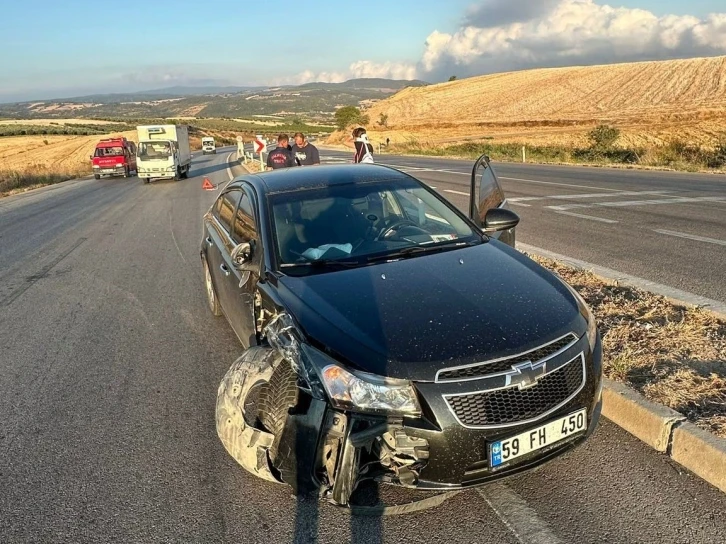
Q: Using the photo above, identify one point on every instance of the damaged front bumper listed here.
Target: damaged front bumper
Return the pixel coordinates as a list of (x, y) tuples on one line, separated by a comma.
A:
[(328, 451)]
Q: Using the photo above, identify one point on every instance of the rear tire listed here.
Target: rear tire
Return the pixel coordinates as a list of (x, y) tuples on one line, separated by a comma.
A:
[(276, 398)]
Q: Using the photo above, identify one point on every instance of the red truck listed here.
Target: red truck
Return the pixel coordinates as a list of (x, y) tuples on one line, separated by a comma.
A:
[(114, 157)]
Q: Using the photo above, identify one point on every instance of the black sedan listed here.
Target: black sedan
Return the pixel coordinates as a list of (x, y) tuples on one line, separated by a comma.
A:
[(390, 337)]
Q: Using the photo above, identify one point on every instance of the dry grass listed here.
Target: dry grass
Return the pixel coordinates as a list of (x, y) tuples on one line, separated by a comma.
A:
[(60, 152), (651, 102), (28, 162), (672, 354), (46, 122)]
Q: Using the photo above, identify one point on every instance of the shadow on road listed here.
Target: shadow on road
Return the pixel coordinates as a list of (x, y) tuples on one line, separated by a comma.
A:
[(206, 170)]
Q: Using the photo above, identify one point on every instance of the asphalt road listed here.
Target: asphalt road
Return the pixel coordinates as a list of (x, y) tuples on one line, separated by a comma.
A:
[(109, 366), (665, 227)]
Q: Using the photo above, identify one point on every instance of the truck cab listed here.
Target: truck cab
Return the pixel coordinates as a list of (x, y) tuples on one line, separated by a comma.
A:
[(163, 152), (208, 145), (114, 157)]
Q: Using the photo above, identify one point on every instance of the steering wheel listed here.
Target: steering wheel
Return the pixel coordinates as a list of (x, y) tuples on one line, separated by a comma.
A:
[(387, 231)]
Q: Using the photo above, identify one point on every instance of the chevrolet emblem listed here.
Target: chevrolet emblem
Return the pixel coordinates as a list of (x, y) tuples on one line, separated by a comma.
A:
[(525, 375)]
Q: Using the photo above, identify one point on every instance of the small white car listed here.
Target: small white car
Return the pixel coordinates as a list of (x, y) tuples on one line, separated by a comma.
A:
[(208, 145)]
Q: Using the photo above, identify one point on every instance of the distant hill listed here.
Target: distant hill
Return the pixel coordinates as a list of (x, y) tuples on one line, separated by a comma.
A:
[(313, 101)]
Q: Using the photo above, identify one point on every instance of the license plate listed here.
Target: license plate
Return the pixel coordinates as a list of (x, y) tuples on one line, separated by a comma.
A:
[(108, 170), (504, 451)]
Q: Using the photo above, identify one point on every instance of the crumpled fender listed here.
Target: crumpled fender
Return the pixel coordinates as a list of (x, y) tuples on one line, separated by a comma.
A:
[(247, 445)]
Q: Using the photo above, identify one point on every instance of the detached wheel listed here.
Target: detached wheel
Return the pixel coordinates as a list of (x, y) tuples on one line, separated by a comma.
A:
[(211, 293), (276, 398)]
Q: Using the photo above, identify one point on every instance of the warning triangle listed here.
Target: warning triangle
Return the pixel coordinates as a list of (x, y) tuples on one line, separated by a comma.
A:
[(207, 185)]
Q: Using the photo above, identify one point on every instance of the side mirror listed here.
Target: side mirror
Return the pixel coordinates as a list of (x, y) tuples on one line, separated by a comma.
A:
[(499, 219), (242, 253)]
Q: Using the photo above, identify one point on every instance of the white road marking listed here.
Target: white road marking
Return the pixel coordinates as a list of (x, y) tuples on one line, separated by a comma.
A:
[(561, 184), (590, 217), (691, 237), (455, 192), (520, 518), (625, 203), (518, 203), (587, 195)]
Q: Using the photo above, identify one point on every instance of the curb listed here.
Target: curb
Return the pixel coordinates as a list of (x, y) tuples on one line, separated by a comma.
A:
[(701, 453), (650, 422)]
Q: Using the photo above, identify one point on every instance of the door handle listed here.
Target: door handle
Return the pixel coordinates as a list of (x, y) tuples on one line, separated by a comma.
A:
[(224, 269), (209, 240)]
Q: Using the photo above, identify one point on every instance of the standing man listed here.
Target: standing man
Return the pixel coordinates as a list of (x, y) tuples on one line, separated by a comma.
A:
[(305, 153), (281, 156)]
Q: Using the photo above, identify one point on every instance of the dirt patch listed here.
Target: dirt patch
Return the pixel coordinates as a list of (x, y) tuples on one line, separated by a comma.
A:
[(674, 355)]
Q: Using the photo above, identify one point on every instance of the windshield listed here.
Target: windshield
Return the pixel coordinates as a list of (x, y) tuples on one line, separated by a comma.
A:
[(208, 142), (109, 151), (154, 150), (362, 222)]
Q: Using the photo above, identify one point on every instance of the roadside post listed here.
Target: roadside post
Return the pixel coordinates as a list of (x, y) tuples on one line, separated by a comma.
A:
[(260, 147), (524, 154)]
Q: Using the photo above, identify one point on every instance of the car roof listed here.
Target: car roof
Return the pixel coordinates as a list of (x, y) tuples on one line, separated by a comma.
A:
[(325, 175)]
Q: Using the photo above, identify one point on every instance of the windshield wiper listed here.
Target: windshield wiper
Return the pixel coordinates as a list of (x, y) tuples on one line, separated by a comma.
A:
[(417, 250), (325, 263)]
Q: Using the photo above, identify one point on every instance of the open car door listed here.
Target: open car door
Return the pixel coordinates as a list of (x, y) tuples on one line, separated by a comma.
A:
[(485, 194)]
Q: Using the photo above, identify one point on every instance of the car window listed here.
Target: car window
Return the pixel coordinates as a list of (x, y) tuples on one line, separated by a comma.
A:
[(227, 206), (244, 223)]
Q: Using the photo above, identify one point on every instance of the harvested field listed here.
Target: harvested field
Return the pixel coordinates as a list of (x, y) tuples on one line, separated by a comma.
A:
[(673, 355), (651, 102), (46, 122), (60, 152)]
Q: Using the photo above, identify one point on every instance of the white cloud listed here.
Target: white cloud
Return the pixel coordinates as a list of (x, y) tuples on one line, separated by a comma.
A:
[(503, 35), (566, 32), (359, 69)]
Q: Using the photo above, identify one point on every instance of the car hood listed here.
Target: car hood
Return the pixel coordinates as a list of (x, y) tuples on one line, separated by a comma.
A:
[(409, 318)]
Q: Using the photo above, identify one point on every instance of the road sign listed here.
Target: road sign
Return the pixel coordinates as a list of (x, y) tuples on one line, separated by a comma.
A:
[(207, 185), (260, 145)]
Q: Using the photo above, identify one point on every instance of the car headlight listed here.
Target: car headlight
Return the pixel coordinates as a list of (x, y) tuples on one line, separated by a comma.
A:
[(365, 392), (585, 310)]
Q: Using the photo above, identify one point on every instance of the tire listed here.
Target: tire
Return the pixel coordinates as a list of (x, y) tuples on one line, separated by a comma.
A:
[(177, 176), (96, 176), (146, 180), (127, 172), (185, 173), (275, 400), (212, 299)]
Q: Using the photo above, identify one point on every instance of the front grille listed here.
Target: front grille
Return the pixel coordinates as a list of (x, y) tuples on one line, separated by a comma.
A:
[(483, 369), (513, 405)]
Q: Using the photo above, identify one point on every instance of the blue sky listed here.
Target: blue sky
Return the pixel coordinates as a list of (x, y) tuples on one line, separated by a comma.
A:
[(55, 49)]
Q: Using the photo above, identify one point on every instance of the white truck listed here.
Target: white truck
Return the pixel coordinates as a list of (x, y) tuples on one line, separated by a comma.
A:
[(208, 145), (163, 152)]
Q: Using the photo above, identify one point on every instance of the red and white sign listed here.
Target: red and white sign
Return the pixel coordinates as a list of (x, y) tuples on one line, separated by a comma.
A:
[(260, 145)]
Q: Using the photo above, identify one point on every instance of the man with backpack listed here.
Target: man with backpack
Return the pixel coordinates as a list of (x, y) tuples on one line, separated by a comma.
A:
[(363, 148)]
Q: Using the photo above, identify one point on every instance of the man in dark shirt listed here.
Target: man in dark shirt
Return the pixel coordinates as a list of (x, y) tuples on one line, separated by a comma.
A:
[(281, 156), (305, 153)]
